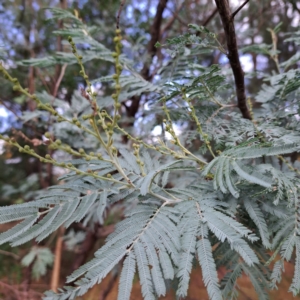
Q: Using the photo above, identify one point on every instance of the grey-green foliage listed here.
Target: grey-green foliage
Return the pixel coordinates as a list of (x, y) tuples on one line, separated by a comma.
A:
[(40, 258), (230, 212)]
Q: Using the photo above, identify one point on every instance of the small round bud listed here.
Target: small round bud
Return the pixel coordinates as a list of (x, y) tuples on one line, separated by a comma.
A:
[(108, 175), (91, 153), (48, 156), (26, 147), (81, 151)]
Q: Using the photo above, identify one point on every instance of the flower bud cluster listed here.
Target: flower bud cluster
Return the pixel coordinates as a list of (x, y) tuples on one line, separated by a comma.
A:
[(194, 117), (136, 153)]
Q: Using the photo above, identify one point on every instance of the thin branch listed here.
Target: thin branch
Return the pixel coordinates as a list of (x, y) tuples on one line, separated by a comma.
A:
[(237, 10), (210, 17), (155, 35), (172, 20), (119, 13), (152, 50), (233, 56), (15, 256), (57, 262), (59, 79)]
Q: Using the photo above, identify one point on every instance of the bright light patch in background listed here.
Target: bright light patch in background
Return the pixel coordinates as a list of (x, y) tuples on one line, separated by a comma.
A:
[(246, 61), (158, 132), (1, 147), (3, 112)]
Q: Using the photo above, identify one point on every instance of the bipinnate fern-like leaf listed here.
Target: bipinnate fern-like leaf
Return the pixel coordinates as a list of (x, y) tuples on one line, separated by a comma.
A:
[(17, 230), (208, 266), (137, 238), (258, 280), (257, 217), (126, 277), (275, 277), (229, 282), (179, 207), (228, 162), (38, 228), (295, 286)]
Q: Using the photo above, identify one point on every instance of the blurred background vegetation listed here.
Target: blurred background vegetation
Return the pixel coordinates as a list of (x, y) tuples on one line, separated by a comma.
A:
[(27, 31)]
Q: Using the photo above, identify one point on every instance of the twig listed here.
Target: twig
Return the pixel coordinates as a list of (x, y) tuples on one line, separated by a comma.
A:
[(119, 13), (209, 18), (15, 256), (155, 35), (152, 50), (57, 261), (59, 79), (172, 20), (233, 56), (237, 10)]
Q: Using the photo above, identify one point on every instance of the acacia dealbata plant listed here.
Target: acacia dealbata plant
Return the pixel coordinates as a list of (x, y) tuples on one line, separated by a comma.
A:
[(230, 202)]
